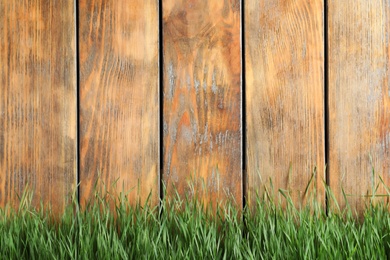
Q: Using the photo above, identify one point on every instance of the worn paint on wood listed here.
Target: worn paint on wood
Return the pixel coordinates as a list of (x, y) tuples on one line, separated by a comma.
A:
[(359, 99), (202, 99), (38, 136), (285, 97), (119, 98)]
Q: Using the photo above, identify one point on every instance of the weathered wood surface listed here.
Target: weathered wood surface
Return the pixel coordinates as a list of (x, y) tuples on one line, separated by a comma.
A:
[(359, 99), (119, 98), (202, 99), (37, 101), (285, 97)]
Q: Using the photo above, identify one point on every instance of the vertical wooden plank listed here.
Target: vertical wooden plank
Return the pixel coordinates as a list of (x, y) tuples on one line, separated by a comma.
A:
[(359, 99), (119, 98), (37, 101), (202, 99), (285, 97)]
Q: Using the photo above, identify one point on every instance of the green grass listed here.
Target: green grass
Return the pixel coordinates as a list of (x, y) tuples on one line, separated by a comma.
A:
[(269, 232)]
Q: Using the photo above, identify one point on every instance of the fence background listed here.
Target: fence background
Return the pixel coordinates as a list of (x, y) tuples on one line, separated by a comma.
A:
[(238, 97)]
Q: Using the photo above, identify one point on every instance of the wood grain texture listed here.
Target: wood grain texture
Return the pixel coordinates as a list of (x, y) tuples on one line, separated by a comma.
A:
[(37, 101), (202, 99), (359, 98), (119, 98), (285, 97)]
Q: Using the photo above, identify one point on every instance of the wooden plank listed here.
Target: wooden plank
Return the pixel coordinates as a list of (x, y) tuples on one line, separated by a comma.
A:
[(119, 98), (37, 101), (285, 97), (359, 98), (202, 99)]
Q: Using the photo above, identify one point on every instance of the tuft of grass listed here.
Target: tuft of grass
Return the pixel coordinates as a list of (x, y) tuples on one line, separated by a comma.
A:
[(184, 228)]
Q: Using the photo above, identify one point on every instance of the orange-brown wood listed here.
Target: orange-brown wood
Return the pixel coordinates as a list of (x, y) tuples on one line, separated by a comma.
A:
[(359, 99), (202, 99), (285, 98), (119, 98), (38, 135)]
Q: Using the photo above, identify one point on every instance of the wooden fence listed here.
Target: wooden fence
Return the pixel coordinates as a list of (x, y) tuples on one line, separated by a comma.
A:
[(237, 97)]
